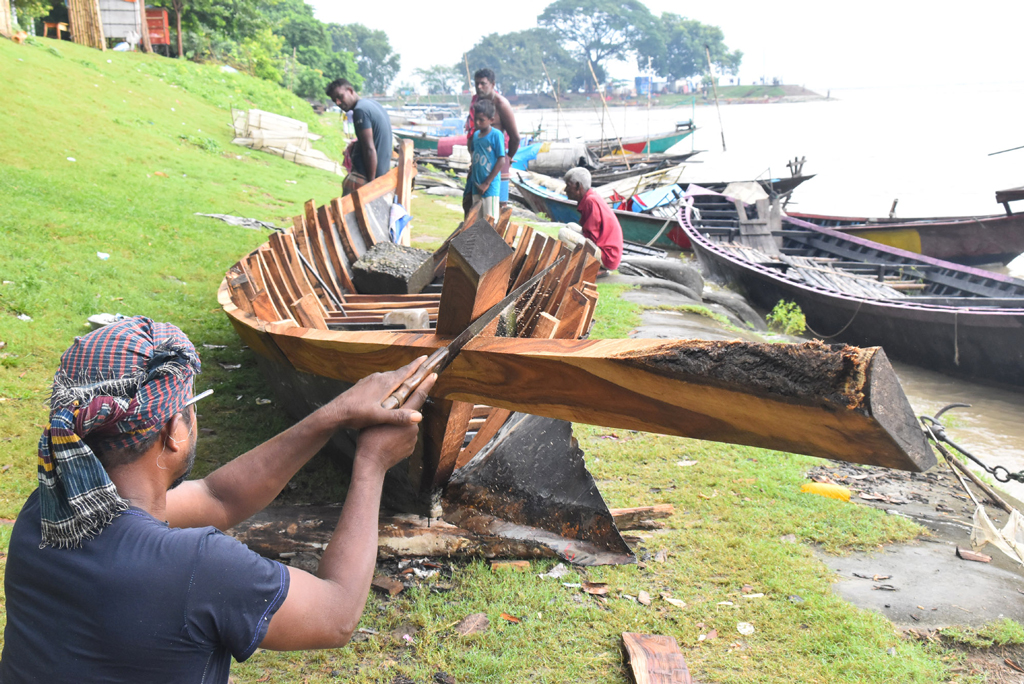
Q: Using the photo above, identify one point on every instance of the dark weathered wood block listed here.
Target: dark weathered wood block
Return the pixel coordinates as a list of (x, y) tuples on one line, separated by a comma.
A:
[(387, 268), (475, 277)]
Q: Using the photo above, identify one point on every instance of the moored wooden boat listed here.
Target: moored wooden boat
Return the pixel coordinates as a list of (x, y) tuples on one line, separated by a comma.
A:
[(961, 239), (643, 228), (655, 144), (923, 311)]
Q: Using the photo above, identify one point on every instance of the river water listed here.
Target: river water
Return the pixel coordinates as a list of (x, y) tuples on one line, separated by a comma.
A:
[(926, 146)]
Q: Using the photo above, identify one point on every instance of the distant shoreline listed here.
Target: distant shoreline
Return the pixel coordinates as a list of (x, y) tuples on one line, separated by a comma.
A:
[(727, 95)]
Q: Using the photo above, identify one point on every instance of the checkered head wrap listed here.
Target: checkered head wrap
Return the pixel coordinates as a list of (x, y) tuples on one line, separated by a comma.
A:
[(117, 384)]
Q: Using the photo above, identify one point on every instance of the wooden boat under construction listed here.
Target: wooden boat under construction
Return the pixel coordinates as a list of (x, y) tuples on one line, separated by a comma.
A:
[(961, 239), (923, 311), (496, 440)]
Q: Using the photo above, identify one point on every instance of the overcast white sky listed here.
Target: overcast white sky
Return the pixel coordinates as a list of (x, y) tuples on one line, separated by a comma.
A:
[(818, 43)]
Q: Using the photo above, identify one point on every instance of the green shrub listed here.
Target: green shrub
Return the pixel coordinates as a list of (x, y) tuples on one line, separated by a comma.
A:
[(787, 318)]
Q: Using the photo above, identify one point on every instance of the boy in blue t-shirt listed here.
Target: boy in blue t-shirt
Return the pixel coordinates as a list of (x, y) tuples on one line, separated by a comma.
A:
[(488, 158)]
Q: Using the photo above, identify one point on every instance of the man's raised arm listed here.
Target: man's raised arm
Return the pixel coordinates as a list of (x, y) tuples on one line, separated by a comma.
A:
[(246, 485), (322, 612)]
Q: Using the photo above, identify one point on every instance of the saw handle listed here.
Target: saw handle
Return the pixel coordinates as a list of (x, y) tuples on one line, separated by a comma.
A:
[(433, 362)]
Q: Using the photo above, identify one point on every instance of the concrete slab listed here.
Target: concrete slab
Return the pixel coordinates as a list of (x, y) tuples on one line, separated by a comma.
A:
[(934, 588)]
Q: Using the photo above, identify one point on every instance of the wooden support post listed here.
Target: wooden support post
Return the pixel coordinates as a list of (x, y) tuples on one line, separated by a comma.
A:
[(475, 278), (504, 224), (316, 246), (519, 258), (278, 299), (275, 273), (441, 254), (5, 19), (588, 318), (363, 218), (342, 267), (547, 327), (238, 286), (403, 190), (306, 311), (591, 269), (529, 267), (572, 312), (484, 435), (347, 243), (445, 425)]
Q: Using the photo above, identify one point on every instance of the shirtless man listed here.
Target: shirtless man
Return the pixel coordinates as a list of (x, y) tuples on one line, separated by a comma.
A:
[(504, 121)]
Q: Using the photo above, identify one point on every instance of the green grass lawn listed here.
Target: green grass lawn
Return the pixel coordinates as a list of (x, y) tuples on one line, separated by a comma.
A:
[(151, 144)]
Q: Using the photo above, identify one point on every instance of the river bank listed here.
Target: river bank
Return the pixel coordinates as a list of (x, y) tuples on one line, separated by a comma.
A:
[(742, 94)]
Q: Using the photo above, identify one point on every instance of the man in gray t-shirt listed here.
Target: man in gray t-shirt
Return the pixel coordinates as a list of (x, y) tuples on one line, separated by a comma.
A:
[(371, 152)]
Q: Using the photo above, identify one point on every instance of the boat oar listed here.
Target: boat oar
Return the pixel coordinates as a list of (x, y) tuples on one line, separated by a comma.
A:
[(707, 51)]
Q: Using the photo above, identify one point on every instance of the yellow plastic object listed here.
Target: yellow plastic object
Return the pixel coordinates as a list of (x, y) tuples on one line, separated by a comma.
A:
[(830, 490)]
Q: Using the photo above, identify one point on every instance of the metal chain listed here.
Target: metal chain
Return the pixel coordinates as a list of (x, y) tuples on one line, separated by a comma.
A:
[(935, 430)]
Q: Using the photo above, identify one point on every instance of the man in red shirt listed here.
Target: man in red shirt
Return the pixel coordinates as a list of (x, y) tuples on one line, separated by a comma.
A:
[(599, 223)]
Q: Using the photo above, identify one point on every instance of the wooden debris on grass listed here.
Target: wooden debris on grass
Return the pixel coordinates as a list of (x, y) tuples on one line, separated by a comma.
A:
[(387, 585), (477, 623), (510, 566), (655, 659)]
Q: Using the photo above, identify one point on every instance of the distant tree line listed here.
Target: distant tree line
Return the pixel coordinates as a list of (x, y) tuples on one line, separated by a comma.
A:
[(572, 35), (279, 40)]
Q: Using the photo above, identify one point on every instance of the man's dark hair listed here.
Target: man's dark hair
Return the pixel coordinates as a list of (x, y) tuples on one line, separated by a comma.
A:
[(114, 458), (484, 73), (485, 107), (336, 84)]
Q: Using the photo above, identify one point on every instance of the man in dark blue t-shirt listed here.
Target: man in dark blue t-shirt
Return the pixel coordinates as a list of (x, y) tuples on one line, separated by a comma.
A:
[(115, 573), (371, 151)]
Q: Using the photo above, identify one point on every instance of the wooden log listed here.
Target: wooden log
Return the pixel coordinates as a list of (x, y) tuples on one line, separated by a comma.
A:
[(655, 659), (475, 278), (387, 268), (843, 403), (836, 402)]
